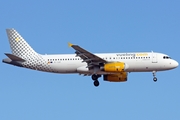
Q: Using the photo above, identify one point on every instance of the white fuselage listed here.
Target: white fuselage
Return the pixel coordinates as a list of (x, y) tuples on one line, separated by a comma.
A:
[(136, 62), (114, 67)]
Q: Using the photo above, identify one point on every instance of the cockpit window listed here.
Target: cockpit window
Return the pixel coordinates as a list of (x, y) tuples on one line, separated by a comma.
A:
[(166, 57)]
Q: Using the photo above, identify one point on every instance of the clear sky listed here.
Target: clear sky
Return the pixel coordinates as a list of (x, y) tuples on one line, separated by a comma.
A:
[(98, 26)]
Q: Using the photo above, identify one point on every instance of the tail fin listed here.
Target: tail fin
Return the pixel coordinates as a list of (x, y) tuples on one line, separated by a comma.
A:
[(23, 55), (18, 45)]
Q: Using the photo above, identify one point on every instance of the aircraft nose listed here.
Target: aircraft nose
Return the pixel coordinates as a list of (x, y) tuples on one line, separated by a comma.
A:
[(175, 64)]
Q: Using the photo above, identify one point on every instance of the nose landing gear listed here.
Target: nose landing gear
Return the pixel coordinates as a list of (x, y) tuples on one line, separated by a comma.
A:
[(95, 78), (154, 75)]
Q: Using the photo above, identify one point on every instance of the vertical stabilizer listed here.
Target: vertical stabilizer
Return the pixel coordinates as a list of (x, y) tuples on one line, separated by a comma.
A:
[(18, 45), (23, 55)]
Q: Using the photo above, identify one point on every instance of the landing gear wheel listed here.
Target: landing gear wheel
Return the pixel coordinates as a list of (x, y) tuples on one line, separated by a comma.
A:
[(155, 79), (94, 77), (96, 83)]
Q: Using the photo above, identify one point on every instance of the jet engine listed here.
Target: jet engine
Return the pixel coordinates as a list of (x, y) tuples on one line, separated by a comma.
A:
[(114, 67), (121, 77)]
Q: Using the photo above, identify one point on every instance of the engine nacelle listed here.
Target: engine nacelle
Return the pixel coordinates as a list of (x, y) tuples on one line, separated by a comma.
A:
[(121, 77), (114, 67)]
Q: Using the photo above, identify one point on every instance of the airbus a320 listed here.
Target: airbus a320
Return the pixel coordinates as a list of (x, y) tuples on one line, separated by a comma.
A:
[(113, 67)]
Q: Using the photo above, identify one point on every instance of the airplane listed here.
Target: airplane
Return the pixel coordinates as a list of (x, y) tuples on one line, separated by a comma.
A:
[(114, 67)]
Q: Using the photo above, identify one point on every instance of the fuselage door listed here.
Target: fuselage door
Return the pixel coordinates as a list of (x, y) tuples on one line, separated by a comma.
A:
[(154, 57)]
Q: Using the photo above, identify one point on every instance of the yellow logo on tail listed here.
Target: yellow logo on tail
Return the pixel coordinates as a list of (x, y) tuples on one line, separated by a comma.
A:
[(17, 39)]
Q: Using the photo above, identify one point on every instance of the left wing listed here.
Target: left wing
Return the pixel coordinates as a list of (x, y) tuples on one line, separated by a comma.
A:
[(91, 59)]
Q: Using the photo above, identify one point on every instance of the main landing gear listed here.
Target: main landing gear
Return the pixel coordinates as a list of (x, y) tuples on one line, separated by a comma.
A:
[(95, 78), (154, 76)]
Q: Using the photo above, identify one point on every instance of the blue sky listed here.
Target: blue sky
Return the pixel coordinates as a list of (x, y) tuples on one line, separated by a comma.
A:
[(98, 26)]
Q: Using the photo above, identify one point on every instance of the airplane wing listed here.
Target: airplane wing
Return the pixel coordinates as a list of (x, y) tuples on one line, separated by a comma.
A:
[(91, 59)]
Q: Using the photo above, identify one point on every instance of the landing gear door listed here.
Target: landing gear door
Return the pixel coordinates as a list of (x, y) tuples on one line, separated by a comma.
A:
[(154, 58)]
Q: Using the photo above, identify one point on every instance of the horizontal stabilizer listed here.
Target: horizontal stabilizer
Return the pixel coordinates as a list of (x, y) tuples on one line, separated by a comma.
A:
[(14, 58)]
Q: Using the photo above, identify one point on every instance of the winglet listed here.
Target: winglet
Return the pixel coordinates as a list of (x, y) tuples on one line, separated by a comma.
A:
[(70, 44)]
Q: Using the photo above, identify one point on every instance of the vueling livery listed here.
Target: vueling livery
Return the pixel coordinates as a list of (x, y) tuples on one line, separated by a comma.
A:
[(113, 67)]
